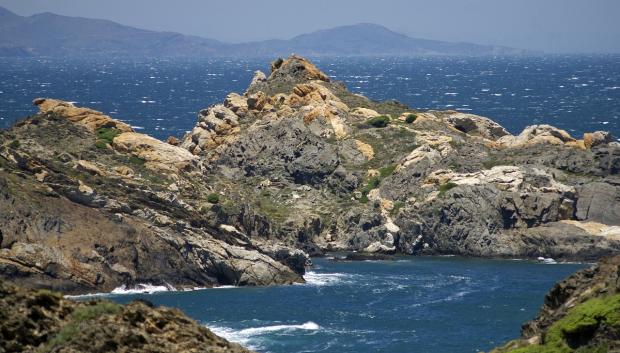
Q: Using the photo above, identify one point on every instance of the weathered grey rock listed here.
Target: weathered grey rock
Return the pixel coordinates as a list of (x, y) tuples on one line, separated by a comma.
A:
[(599, 202), (475, 125)]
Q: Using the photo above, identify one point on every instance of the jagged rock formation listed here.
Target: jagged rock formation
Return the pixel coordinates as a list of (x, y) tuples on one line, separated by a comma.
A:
[(580, 314), (305, 159), (296, 161), (89, 205), (44, 321)]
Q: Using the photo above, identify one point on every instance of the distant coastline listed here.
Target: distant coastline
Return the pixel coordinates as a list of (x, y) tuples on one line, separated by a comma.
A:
[(52, 35)]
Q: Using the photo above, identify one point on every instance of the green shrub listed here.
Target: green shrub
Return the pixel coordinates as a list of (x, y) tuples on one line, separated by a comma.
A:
[(584, 317), (14, 144), (102, 144), (80, 315), (397, 206), (135, 160), (105, 136), (387, 171), (374, 182), (379, 121), (213, 198), (443, 188), (410, 118)]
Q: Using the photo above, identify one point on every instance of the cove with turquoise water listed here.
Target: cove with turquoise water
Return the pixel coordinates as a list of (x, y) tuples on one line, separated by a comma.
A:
[(412, 305)]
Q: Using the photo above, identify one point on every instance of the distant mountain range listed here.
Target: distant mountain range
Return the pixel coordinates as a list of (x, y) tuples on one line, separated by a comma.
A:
[(49, 34)]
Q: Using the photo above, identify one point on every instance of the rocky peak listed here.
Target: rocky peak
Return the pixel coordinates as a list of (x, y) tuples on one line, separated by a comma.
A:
[(296, 68)]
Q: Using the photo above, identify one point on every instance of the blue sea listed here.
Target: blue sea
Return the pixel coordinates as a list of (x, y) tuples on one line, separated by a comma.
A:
[(162, 97), (412, 305), (416, 304)]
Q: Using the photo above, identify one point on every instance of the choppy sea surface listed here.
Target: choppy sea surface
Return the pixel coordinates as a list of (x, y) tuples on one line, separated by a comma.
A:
[(412, 305), (162, 97)]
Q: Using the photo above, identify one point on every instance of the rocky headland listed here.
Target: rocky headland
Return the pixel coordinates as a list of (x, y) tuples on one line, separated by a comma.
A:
[(580, 314), (295, 166)]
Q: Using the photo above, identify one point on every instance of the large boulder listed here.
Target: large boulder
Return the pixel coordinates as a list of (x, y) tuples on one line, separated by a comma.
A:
[(593, 139), (475, 125), (156, 154), (538, 134), (89, 118)]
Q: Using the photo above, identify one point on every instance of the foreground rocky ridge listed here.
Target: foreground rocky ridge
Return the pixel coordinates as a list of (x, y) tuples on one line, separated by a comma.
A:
[(89, 205), (295, 162), (580, 314), (44, 321)]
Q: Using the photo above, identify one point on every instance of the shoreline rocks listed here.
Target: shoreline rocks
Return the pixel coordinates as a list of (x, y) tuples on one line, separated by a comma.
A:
[(292, 167)]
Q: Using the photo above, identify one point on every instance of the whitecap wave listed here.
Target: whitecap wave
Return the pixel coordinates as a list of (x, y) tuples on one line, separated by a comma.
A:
[(325, 279), (251, 337), (142, 288)]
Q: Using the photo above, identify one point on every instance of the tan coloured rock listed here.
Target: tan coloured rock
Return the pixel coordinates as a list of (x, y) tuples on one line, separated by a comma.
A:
[(592, 139), (89, 118), (237, 103), (89, 168), (367, 151), (363, 113), (597, 229), (538, 134), (156, 154), (216, 125), (124, 171)]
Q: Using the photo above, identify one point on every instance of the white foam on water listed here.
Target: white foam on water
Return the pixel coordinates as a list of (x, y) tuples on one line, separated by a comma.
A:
[(325, 279), (548, 260), (143, 288), (251, 337)]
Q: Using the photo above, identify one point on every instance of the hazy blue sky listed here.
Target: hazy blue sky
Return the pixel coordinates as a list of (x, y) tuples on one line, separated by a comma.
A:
[(548, 25)]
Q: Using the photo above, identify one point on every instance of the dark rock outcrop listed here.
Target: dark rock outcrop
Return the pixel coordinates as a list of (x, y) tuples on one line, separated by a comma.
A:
[(44, 321), (580, 314)]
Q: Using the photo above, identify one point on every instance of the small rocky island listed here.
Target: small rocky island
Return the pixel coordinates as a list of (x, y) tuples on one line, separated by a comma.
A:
[(295, 166)]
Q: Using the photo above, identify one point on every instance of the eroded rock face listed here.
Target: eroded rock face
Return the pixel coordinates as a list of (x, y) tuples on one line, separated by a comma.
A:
[(579, 314), (87, 219), (45, 321), (476, 125)]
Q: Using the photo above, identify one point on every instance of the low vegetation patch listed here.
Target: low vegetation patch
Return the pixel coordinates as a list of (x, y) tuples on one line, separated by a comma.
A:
[(14, 144), (443, 188), (386, 171), (105, 136), (410, 118), (374, 181), (79, 317), (379, 121), (135, 160), (577, 328), (213, 198)]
